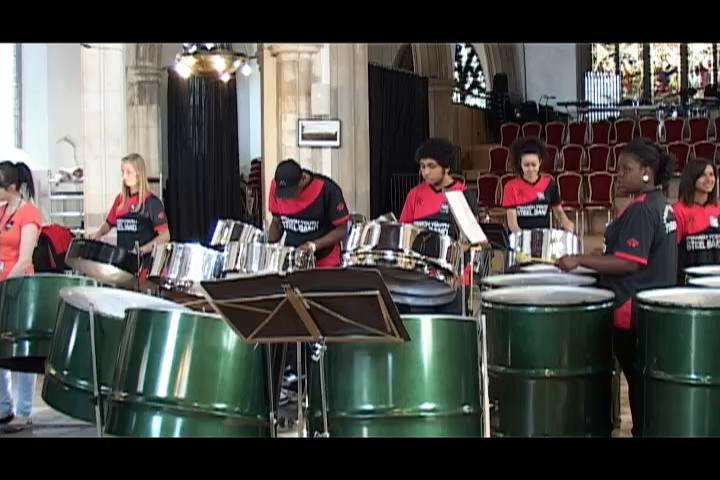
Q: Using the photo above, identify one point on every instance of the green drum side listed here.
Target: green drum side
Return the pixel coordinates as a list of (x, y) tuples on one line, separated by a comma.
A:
[(28, 311), (550, 370), (68, 385), (185, 375), (427, 387), (680, 367)]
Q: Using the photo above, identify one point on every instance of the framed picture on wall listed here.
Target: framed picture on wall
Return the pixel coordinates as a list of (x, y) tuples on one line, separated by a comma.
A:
[(319, 133)]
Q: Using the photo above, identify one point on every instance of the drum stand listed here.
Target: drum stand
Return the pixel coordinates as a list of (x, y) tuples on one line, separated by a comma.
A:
[(482, 348), (97, 399), (315, 307)]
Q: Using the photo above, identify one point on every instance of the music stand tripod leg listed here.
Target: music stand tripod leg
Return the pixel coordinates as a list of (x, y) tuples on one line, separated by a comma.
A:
[(271, 393), (484, 381), (320, 357), (300, 391), (95, 368)]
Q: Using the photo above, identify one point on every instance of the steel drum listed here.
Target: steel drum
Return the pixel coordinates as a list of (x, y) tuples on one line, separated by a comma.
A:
[(265, 258), (182, 266), (678, 333), (427, 387), (68, 385), (227, 231), (702, 271), (526, 279), (187, 375), (706, 282), (420, 267), (28, 309), (545, 268), (547, 244), (106, 263), (550, 360)]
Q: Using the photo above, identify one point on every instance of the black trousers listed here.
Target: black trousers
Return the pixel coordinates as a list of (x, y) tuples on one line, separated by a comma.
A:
[(625, 347)]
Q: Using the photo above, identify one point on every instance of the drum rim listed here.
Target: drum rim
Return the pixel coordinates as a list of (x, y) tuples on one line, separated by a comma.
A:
[(438, 316), (665, 297), (68, 291), (700, 269), (699, 281), (577, 271), (608, 296), (489, 280), (50, 275), (182, 310)]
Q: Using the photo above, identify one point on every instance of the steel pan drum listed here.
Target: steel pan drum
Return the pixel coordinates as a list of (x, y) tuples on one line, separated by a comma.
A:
[(182, 266), (68, 385), (524, 279), (545, 268), (427, 387), (28, 309), (106, 263), (702, 271), (550, 360), (706, 282), (266, 258), (227, 231), (543, 243), (186, 375), (678, 333)]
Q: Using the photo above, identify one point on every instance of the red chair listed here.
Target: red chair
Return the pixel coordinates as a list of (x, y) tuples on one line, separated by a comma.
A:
[(570, 187), (601, 132), (499, 157), (509, 133), (680, 151), (555, 133), (488, 185), (572, 158), (459, 178), (577, 131), (649, 128), (616, 150), (532, 129), (624, 130), (699, 129), (600, 193), (706, 150), (673, 130), (599, 158), (551, 155), (503, 181)]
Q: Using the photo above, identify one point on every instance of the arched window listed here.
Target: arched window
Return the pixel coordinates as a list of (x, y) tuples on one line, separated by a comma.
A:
[(10, 125), (469, 85)]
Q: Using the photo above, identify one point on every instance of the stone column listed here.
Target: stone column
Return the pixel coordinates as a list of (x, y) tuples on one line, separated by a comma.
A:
[(143, 106), (104, 126), (288, 70)]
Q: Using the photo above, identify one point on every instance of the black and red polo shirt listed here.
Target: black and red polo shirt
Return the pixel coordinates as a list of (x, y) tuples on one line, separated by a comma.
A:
[(698, 236), (643, 233), (531, 201), (136, 220), (314, 213)]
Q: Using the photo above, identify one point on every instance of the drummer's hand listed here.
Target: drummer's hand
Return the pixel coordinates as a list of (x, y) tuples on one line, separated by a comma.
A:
[(569, 226), (91, 236), (568, 262), (307, 246)]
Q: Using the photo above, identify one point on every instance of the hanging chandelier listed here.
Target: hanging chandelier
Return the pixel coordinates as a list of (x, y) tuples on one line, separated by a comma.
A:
[(211, 59)]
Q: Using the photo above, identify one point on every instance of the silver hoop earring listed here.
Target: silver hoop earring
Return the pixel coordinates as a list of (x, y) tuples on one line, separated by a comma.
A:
[(645, 178)]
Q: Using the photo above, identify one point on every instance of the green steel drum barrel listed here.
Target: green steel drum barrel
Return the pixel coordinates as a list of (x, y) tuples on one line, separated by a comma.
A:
[(678, 357), (28, 310), (426, 387), (700, 271), (68, 384), (527, 279), (182, 374), (705, 282), (550, 360)]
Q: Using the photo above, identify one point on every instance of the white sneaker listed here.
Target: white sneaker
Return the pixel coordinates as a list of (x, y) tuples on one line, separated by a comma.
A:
[(18, 424)]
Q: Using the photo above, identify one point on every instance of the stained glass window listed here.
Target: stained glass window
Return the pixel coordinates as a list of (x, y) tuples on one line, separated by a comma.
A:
[(603, 57), (631, 69), (665, 59), (469, 86), (700, 65)]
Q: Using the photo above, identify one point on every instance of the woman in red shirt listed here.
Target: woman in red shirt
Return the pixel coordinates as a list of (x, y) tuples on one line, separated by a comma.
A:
[(20, 223), (697, 213)]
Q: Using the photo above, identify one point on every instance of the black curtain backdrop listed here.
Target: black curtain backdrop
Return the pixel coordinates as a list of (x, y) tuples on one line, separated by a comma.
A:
[(398, 125), (203, 183)]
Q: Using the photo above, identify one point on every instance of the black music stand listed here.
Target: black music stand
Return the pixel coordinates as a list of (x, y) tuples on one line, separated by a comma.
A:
[(349, 305)]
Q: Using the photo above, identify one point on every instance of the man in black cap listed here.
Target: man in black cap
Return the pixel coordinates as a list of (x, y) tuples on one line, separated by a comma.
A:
[(310, 209)]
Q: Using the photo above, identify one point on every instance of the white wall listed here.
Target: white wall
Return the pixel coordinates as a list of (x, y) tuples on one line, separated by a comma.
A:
[(51, 106), (551, 70)]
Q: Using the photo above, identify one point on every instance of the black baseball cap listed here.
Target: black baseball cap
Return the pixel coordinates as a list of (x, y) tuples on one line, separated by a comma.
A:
[(288, 174)]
